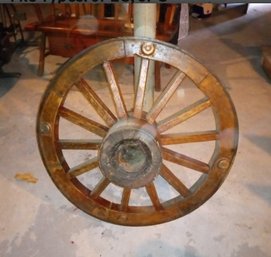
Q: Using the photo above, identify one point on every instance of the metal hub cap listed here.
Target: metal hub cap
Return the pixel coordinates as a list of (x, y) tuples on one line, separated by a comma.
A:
[(130, 156)]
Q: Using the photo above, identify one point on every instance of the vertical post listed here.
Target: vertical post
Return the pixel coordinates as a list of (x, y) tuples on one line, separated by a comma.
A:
[(145, 26), (184, 22)]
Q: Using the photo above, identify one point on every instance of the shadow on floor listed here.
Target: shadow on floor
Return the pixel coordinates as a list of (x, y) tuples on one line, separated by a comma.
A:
[(160, 248), (249, 41), (263, 142), (6, 84), (263, 191), (248, 251)]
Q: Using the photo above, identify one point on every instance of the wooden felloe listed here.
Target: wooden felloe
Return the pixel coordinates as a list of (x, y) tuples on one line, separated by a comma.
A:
[(133, 148)]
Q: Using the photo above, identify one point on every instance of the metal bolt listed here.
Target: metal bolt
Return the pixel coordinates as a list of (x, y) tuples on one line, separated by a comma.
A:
[(223, 164), (148, 48), (45, 128)]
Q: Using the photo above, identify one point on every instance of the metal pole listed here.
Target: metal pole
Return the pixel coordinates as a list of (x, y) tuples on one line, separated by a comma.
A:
[(145, 26)]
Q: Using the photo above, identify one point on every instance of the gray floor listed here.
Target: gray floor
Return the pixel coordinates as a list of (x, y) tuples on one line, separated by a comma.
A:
[(36, 220)]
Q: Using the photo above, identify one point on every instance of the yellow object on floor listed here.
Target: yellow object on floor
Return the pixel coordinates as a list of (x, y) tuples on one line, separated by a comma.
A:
[(27, 177)]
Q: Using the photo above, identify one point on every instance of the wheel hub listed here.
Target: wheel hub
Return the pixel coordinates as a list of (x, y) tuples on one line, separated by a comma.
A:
[(130, 155)]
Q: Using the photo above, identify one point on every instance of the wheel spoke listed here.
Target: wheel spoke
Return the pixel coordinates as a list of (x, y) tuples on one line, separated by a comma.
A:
[(153, 196), (185, 161), (84, 167), (164, 97), (76, 144), (83, 122), (115, 90), (141, 87), (99, 188), (125, 199), (174, 181), (182, 138), (183, 115), (96, 102)]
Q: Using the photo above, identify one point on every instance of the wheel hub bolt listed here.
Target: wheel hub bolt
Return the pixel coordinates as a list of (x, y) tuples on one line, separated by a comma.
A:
[(223, 164), (44, 127), (147, 48)]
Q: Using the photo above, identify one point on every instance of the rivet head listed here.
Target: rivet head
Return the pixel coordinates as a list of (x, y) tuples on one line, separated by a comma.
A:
[(45, 128), (147, 48), (223, 164)]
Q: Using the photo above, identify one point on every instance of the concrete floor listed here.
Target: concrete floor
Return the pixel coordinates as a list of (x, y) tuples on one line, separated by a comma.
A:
[(36, 220)]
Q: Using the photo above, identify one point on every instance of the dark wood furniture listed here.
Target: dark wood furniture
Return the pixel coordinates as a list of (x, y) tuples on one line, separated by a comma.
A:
[(69, 29), (266, 60), (10, 29)]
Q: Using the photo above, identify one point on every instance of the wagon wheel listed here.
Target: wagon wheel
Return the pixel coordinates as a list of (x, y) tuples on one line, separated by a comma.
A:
[(133, 148)]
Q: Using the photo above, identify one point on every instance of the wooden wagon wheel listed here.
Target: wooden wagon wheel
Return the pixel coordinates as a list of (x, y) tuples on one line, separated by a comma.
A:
[(133, 148)]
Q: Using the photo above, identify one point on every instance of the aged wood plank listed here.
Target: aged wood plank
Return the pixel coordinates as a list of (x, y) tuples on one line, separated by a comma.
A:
[(83, 122), (150, 188), (182, 138), (98, 105), (84, 167), (79, 144), (115, 90), (99, 188), (125, 199), (184, 114), (184, 160), (141, 88), (174, 181), (164, 97)]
